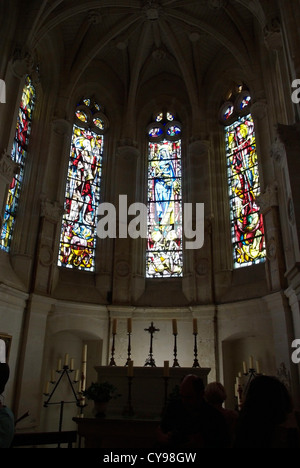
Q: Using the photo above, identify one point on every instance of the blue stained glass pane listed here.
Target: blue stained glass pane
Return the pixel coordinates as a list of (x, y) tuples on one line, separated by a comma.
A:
[(155, 132), (164, 246), (18, 155), (82, 196), (247, 227)]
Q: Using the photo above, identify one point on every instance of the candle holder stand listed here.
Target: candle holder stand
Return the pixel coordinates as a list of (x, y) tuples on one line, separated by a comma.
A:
[(128, 409), (128, 349), (66, 371), (112, 359), (150, 360), (175, 361), (243, 389), (196, 363), (251, 374)]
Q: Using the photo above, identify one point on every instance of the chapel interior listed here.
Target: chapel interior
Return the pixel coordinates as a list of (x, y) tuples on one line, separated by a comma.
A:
[(116, 82)]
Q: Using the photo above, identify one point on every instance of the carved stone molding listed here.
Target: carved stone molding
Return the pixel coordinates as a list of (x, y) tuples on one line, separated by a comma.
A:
[(201, 147), (25, 62), (94, 17), (272, 34), (271, 249), (46, 255), (8, 167), (122, 268), (259, 109), (268, 198), (50, 210), (61, 126), (127, 142), (278, 150), (126, 151), (217, 4)]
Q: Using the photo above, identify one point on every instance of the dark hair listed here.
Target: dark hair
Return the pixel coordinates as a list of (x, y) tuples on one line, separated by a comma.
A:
[(267, 396), (4, 375)]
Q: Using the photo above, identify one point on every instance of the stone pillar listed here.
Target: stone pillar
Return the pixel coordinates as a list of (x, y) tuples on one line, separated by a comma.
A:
[(47, 249), (269, 205), (293, 295), (263, 142), (30, 385), (282, 321), (59, 150), (126, 252), (197, 269)]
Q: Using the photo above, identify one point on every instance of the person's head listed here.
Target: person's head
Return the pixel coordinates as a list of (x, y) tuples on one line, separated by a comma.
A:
[(4, 375), (267, 397), (215, 393), (191, 390)]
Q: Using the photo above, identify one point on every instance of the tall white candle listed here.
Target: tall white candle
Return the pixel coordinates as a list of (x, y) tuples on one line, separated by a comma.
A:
[(244, 367), (46, 389), (84, 353), (66, 359), (251, 362)]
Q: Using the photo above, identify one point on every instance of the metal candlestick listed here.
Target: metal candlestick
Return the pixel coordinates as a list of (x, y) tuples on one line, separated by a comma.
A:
[(128, 410), (128, 350), (65, 371), (150, 361), (175, 362), (112, 360), (196, 363)]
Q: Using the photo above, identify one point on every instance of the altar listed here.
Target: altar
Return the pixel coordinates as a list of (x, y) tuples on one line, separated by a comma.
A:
[(132, 419), (147, 388)]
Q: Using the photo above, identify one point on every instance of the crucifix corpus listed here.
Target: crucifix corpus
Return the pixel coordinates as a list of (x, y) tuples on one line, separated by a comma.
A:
[(150, 361)]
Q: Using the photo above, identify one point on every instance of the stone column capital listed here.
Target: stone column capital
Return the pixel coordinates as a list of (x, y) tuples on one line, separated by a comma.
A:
[(127, 149), (61, 126), (200, 146), (268, 198), (259, 109), (51, 210)]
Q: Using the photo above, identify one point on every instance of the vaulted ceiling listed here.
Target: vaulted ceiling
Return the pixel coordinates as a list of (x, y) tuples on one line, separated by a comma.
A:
[(189, 42)]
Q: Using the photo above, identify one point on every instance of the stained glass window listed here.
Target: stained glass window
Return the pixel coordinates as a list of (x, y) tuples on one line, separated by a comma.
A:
[(247, 229), (164, 243), (82, 195), (18, 155)]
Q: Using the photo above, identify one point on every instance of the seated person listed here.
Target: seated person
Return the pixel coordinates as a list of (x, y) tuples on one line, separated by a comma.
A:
[(7, 420), (190, 422)]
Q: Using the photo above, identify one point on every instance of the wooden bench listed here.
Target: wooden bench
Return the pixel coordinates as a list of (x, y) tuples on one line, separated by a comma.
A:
[(44, 438)]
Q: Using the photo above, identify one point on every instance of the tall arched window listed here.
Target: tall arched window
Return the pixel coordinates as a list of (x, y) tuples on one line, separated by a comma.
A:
[(247, 229), (18, 155), (82, 195), (164, 243)]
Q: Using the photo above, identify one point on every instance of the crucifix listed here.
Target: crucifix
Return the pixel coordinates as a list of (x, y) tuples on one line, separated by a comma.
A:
[(150, 361)]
